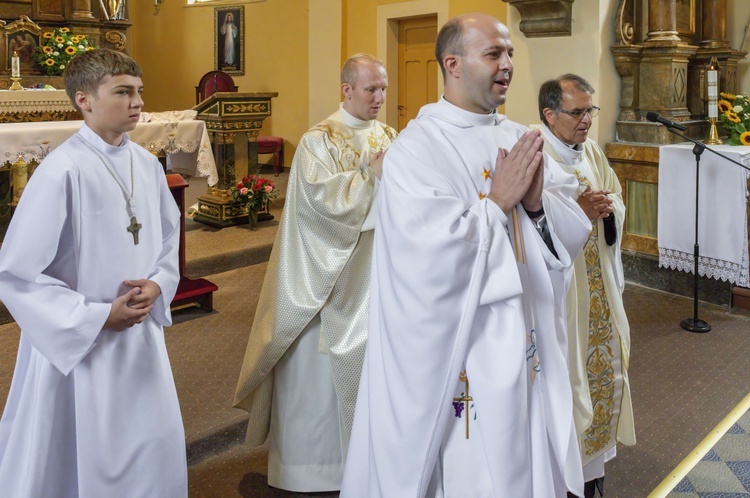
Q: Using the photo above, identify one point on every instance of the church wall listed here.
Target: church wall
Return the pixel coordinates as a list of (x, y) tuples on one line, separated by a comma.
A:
[(371, 26), (325, 49), (586, 52), (361, 29), (175, 48)]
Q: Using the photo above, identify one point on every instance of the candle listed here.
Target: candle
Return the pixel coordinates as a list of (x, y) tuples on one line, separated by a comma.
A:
[(16, 71), (713, 90)]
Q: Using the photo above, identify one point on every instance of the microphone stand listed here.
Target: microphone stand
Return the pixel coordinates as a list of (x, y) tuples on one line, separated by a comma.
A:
[(694, 324)]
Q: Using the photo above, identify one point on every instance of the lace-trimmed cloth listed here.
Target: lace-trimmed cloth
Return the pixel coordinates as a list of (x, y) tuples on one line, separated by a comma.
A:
[(722, 222), (29, 101), (185, 142)]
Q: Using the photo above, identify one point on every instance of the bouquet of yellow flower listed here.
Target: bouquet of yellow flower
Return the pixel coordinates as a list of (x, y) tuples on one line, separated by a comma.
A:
[(59, 47), (734, 115)]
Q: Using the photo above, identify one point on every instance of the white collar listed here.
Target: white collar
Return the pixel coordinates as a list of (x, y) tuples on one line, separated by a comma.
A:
[(93, 138), (469, 118), (570, 154), (353, 122)]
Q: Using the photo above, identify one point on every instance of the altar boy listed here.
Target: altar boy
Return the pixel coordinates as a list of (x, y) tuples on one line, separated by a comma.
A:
[(88, 269)]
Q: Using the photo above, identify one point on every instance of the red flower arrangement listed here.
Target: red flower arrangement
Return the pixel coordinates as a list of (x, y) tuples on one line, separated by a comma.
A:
[(254, 192)]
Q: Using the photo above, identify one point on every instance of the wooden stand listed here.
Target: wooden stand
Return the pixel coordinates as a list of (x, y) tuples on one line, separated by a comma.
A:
[(233, 121), (220, 211), (197, 291)]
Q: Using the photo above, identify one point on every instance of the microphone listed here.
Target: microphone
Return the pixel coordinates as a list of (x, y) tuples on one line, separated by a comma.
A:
[(655, 118)]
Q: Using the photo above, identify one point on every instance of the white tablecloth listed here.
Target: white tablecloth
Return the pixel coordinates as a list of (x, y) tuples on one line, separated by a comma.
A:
[(185, 142), (722, 221)]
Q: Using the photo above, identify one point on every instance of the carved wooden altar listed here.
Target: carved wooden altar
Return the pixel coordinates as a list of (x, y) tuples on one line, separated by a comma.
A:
[(36, 105), (233, 121), (661, 52), (31, 18)]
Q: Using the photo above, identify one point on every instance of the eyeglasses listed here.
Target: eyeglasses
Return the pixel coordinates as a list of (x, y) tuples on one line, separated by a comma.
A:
[(592, 111)]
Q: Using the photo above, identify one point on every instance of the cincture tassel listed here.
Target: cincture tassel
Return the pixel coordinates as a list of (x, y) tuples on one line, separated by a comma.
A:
[(518, 245)]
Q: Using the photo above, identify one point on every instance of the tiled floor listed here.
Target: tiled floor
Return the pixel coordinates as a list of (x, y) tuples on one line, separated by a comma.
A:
[(724, 472)]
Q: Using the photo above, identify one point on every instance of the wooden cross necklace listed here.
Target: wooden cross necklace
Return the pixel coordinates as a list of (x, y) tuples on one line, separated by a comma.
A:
[(134, 226)]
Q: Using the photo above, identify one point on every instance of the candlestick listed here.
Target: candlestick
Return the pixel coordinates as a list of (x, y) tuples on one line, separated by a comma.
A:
[(15, 72), (712, 80)]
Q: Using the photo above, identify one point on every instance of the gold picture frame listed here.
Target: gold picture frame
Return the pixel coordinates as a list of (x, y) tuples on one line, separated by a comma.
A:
[(229, 39)]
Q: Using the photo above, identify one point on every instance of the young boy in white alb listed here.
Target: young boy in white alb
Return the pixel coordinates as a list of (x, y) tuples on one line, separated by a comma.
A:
[(88, 269)]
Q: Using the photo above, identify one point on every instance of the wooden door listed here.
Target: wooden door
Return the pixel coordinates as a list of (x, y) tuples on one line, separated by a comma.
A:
[(417, 67)]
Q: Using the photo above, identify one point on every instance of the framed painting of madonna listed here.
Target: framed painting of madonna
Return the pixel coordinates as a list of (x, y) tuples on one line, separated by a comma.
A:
[(229, 39)]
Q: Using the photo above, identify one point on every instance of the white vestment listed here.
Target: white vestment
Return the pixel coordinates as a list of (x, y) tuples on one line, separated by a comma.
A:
[(304, 355), (91, 412), (460, 289), (229, 30), (598, 329)]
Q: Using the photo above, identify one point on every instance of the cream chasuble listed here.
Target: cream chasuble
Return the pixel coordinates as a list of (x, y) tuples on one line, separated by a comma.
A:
[(319, 268), (465, 321), (598, 329), (91, 412)]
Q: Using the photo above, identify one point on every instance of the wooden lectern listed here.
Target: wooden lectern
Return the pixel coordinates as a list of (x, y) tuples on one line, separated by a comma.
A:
[(233, 121)]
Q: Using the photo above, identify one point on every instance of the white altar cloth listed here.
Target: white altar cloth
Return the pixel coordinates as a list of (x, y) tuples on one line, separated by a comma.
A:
[(722, 221), (185, 142), (34, 101)]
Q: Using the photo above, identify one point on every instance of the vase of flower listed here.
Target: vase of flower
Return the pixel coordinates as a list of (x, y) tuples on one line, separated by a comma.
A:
[(252, 217), (255, 193)]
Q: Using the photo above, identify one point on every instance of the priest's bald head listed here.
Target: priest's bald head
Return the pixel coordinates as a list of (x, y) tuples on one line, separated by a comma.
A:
[(474, 51), (363, 83)]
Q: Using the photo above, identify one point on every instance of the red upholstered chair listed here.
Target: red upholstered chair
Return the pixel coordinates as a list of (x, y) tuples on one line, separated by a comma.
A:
[(212, 82), (275, 146)]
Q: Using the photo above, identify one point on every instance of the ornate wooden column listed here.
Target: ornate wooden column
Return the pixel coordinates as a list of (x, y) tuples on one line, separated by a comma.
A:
[(664, 65), (81, 10), (713, 43), (714, 23), (662, 21)]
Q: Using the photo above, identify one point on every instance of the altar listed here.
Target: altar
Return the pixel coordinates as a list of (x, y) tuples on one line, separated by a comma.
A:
[(36, 105), (723, 212), (183, 140)]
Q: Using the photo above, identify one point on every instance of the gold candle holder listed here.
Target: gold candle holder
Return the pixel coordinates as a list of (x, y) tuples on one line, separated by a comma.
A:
[(16, 85), (713, 134)]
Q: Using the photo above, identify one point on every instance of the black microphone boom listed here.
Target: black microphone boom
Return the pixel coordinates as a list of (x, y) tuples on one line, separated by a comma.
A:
[(655, 118)]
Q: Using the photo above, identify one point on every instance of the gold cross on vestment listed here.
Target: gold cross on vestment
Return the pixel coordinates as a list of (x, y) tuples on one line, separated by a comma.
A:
[(134, 228), (465, 398)]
